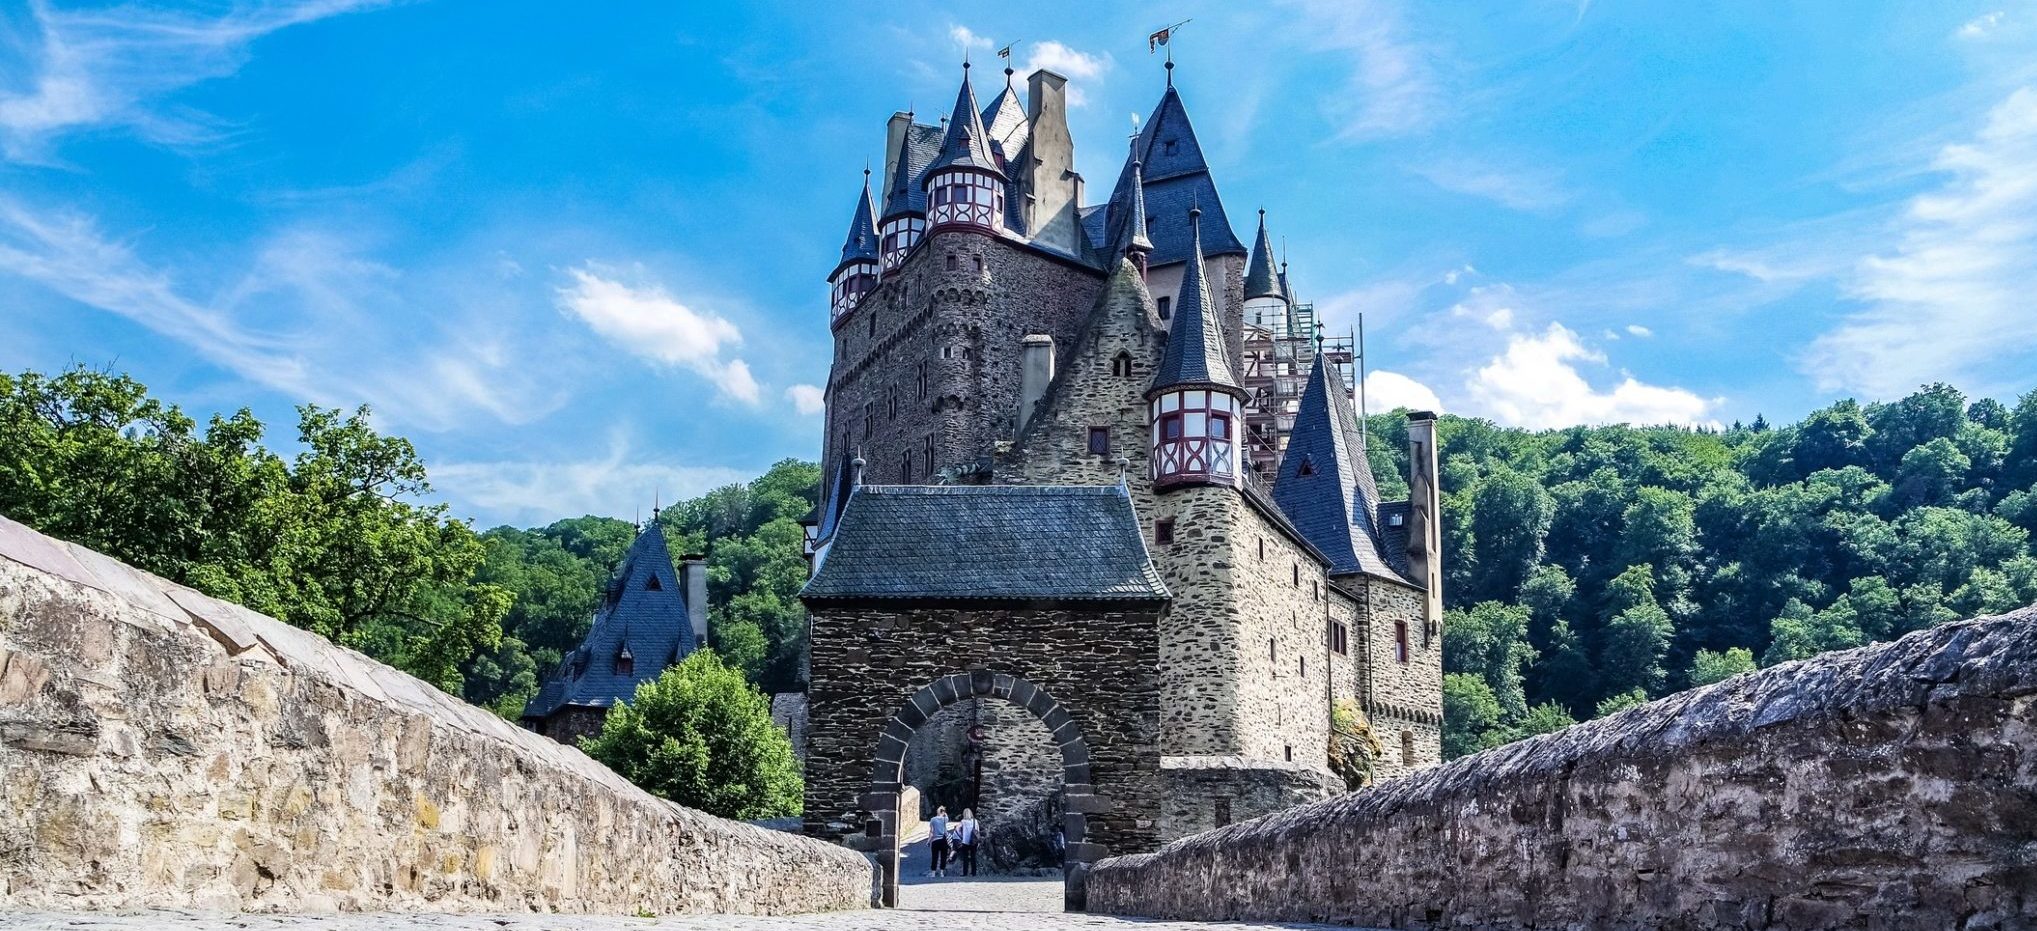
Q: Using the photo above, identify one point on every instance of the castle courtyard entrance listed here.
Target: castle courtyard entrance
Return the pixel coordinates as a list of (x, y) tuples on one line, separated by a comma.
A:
[(886, 795)]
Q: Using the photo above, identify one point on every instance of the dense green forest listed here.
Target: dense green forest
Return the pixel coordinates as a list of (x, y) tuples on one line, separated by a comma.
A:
[(1586, 569)]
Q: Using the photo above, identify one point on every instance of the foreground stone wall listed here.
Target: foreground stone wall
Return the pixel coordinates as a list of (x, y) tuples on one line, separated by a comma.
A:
[(161, 748), (1888, 787)]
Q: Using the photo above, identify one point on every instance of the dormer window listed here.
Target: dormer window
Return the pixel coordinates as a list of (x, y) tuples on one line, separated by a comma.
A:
[(1396, 519), (1308, 466), (653, 585), (625, 662)]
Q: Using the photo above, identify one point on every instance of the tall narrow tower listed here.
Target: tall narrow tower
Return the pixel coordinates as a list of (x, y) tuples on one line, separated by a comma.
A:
[(1194, 402), (856, 274)]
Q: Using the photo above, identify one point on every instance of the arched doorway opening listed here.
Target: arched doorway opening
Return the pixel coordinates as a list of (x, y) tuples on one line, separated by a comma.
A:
[(887, 773)]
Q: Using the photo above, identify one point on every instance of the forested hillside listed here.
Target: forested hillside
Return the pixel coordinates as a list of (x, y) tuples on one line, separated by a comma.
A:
[(1586, 569), (1590, 568)]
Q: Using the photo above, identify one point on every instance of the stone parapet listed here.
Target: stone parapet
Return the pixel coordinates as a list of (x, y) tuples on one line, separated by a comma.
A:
[(160, 748), (1884, 787)]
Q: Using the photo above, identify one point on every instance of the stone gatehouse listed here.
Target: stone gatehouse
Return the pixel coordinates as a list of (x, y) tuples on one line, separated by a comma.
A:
[(939, 595)]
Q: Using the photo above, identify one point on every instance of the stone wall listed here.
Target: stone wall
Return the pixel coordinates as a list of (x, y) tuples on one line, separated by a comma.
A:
[(1886, 787), (1403, 700), (161, 748)]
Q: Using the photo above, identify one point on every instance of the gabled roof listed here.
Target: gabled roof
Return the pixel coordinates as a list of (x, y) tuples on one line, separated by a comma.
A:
[(647, 618), (1175, 177), (1260, 278), (904, 196), (1005, 123), (1043, 543), (861, 244), (1325, 483), (967, 144), (1195, 337)]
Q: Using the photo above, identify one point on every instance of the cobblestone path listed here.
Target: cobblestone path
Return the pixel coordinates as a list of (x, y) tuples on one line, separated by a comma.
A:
[(986, 905)]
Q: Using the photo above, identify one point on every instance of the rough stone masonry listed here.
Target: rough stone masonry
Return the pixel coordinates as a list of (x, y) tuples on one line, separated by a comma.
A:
[(1888, 787), (159, 748)]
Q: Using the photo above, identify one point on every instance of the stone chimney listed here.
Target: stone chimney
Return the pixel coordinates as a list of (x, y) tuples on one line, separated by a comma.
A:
[(693, 579), (1052, 189), (1425, 516), (1036, 370), (894, 143)]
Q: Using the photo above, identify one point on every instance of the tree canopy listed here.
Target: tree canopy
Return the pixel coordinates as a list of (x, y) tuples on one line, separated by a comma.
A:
[(701, 735)]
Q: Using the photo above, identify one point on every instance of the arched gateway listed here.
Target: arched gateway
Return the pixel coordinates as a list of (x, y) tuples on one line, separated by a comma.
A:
[(1040, 596)]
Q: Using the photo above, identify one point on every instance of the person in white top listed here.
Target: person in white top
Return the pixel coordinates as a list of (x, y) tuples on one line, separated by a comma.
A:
[(937, 841), (967, 833)]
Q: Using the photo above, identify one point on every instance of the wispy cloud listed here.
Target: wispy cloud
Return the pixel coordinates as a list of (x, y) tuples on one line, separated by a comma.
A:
[(808, 400), (1390, 87), (1980, 26), (296, 320), (1083, 70), (645, 320), (616, 484), (1518, 189), (116, 66), (1953, 291)]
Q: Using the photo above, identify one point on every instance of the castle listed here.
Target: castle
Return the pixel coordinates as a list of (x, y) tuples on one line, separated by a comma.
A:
[(1094, 477)]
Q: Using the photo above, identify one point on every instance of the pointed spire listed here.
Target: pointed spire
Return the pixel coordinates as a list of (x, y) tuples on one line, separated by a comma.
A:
[(861, 244), (1136, 239), (965, 144), (1260, 278), (1325, 484), (1195, 340)]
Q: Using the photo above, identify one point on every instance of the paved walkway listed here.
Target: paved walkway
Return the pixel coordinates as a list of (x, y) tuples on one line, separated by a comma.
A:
[(974, 905)]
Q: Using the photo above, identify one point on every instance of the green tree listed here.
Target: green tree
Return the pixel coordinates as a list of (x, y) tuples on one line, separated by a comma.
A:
[(701, 735), (1545, 718), (1491, 641), (1710, 666), (1511, 514), (1614, 704), (1471, 715)]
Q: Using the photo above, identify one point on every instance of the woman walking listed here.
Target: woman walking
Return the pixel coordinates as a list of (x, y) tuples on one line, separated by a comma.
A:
[(968, 833), (937, 841)]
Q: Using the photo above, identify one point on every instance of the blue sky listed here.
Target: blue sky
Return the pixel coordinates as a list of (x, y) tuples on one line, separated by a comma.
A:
[(575, 251)]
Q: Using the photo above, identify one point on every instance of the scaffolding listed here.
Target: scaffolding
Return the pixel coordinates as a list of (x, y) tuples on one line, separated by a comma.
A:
[(1279, 350)]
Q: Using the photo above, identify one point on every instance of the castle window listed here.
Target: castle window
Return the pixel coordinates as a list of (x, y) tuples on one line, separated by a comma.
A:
[(1407, 748), (625, 662), (979, 265), (1308, 466), (1297, 575), (1222, 814), (1289, 748), (1315, 590), (905, 467), (1163, 531), (1219, 426), (1396, 519), (953, 263), (1340, 638), (927, 457), (1272, 648), (1170, 427), (873, 323), (1121, 364), (1304, 672), (922, 381), (1400, 641), (1166, 308), (1099, 441), (652, 584), (1262, 547)]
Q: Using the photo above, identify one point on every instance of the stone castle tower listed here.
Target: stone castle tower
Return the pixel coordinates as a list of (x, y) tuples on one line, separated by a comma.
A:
[(1090, 465)]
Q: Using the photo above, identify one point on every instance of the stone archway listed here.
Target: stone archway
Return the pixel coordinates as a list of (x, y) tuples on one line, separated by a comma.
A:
[(887, 773)]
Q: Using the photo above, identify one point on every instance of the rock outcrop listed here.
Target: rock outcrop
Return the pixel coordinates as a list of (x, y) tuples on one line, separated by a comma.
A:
[(1893, 786), (162, 748)]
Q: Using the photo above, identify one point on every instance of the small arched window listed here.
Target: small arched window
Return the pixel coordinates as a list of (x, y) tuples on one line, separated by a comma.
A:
[(1121, 364)]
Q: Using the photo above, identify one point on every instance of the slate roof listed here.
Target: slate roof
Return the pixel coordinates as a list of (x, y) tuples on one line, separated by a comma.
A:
[(861, 243), (967, 144), (830, 515), (1325, 483), (1195, 337), (1175, 178), (1393, 537), (988, 543), (1005, 123), (650, 621), (1260, 278), (905, 196)]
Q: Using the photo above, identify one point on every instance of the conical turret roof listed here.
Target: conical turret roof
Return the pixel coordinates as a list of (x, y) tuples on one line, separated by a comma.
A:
[(1195, 338), (1261, 280), (966, 145), (861, 244), (1325, 484)]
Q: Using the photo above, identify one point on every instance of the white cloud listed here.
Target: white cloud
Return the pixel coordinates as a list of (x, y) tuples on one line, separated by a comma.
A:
[(619, 484), (1083, 70), (1390, 88), (649, 322), (1525, 190), (808, 400), (1635, 329), (967, 38), (1385, 391), (1952, 294), (295, 321), (110, 65), (1535, 383), (1981, 25)]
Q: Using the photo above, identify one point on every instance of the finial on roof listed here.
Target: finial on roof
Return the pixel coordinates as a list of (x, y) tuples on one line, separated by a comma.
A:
[(1124, 470), (1170, 68), (856, 471)]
